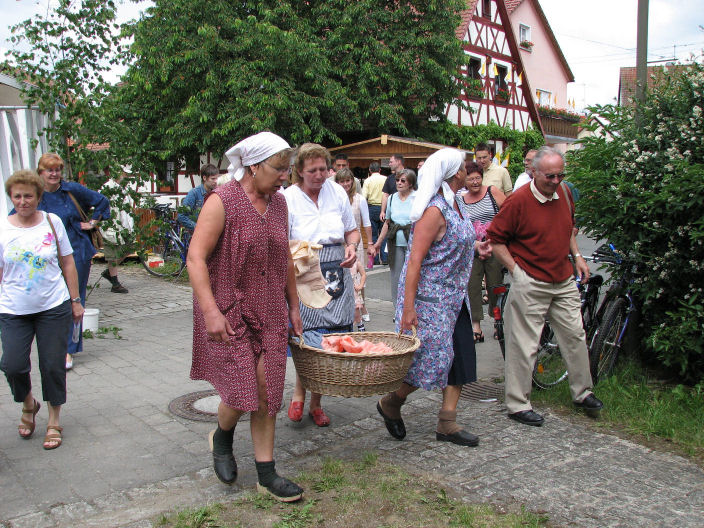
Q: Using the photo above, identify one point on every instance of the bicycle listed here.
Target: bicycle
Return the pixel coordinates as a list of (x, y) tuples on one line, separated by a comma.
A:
[(550, 369), (168, 256), (614, 315)]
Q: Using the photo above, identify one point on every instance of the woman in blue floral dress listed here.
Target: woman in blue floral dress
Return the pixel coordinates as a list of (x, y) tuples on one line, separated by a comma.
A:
[(431, 292)]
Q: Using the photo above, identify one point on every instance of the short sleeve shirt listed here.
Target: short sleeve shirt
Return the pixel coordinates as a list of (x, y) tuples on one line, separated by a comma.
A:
[(32, 280), (324, 223), (498, 177)]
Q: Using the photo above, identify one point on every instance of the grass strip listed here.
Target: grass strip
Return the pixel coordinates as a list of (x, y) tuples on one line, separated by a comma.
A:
[(640, 404), (358, 493)]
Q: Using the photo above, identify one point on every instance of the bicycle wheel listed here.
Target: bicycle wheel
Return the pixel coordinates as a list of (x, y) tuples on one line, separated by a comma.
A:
[(550, 368), (499, 322), (166, 259), (589, 319), (604, 351)]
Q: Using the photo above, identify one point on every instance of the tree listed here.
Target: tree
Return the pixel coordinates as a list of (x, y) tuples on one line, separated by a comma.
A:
[(641, 188), (64, 57), (206, 74)]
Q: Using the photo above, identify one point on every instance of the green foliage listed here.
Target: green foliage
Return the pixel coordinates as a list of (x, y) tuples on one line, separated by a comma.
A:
[(64, 56), (205, 73), (641, 188), (517, 142), (635, 400)]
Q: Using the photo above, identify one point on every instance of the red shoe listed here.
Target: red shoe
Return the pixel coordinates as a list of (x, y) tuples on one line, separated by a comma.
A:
[(295, 411), (319, 417)]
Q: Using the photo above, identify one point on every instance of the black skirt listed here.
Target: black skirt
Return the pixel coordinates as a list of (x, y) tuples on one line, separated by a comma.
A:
[(464, 365)]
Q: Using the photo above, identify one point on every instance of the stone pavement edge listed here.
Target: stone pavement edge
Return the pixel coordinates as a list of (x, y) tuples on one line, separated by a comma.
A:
[(126, 458)]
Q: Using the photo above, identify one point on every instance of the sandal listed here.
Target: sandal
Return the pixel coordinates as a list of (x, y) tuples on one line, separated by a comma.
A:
[(295, 411), (26, 424), (319, 417), (479, 337), (53, 437)]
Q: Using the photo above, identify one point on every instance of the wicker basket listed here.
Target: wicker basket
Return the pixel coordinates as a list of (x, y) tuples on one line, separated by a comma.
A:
[(355, 375)]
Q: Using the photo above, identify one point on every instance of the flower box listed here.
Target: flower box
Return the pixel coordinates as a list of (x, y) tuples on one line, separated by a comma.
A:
[(502, 95), (474, 89), (526, 45)]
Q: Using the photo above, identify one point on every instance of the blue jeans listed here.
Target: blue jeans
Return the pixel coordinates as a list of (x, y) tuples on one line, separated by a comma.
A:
[(377, 224)]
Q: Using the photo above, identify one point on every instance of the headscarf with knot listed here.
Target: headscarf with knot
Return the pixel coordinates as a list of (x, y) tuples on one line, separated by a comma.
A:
[(251, 151), (439, 167)]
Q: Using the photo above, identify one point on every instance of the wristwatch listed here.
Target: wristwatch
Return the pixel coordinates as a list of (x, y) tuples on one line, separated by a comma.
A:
[(76, 300)]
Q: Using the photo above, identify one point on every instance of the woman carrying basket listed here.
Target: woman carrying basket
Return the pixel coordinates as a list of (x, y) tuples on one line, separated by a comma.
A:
[(244, 297), (319, 212), (431, 294)]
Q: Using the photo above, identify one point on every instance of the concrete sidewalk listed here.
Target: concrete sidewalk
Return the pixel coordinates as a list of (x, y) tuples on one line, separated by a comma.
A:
[(126, 458)]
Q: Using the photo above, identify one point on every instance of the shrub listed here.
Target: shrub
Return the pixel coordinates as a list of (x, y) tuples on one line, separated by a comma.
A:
[(641, 183)]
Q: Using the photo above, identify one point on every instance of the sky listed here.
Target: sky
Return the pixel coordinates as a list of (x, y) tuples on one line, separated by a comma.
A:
[(597, 37)]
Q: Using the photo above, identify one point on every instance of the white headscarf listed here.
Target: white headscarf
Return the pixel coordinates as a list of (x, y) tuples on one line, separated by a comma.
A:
[(439, 167), (251, 151)]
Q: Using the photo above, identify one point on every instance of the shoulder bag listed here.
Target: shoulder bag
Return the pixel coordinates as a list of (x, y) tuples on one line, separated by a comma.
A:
[(95, 237)]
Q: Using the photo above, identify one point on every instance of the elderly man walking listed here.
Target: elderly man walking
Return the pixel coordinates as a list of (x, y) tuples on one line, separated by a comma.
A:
[(532, 236)]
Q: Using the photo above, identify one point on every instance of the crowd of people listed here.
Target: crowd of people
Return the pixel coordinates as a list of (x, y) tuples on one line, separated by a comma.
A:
[(447, 233)]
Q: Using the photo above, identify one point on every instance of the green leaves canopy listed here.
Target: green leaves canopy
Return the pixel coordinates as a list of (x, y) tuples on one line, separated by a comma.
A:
[(205, 74)]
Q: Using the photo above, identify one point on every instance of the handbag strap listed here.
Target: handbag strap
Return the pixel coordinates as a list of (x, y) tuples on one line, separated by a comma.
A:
[(81, 212), (58, 248), (493, 201)]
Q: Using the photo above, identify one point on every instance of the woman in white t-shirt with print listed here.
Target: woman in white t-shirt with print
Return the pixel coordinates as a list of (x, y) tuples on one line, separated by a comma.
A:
[(37, 298)]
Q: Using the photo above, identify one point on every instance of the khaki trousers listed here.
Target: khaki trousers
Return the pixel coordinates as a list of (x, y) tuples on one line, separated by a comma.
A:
[(529, 302)]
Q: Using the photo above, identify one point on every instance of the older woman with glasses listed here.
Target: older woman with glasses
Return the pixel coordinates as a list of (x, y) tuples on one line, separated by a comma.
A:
[(480, 204), (397, 226), (244, 291), (319, 212), (73, 203)]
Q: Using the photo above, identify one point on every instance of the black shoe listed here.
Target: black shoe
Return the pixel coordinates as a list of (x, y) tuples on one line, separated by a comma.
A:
[(118, 288), (106, 275), (225, 465), (462, 438), (396, 428), (282, 490), (529, 417), (591, 405)]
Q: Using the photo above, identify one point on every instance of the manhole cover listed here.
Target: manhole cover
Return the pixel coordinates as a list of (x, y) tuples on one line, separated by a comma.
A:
[(201, 406), (482, 391)]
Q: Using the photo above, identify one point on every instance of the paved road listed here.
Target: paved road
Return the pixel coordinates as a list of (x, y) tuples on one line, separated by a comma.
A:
[(126, 458)]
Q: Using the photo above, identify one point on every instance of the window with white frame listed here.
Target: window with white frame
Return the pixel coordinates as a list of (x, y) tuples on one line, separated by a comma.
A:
[(544, 97), (524, 35)]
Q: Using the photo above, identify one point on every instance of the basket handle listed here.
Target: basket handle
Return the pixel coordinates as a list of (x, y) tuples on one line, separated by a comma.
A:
[(413, 332)]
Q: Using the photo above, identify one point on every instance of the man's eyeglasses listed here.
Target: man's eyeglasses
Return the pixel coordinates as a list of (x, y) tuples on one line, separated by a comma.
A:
[(559, 176)]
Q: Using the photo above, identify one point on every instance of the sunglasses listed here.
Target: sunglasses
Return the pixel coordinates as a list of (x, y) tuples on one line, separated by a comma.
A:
[(401, 180), (559, 176)]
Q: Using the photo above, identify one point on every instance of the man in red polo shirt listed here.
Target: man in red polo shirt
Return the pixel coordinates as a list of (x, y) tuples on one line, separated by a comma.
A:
[(532, 236)]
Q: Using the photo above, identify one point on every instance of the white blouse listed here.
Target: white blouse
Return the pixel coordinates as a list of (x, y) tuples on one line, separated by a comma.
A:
[(324, 223)]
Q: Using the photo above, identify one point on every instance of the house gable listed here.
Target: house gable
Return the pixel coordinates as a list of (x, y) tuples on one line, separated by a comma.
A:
[(545, 63), (494, 85)]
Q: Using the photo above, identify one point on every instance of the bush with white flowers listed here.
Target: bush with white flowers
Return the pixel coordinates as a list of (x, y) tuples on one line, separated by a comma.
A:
[(641, 182)]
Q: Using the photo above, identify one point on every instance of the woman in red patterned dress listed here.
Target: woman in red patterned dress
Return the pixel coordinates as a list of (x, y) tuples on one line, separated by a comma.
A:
[(244, 292)]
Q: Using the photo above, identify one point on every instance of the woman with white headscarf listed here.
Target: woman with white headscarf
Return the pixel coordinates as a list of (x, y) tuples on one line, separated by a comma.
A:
[(244, 291), (431, 292)]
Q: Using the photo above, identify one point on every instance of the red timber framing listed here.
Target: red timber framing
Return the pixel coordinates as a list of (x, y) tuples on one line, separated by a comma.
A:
[(495, 87)]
